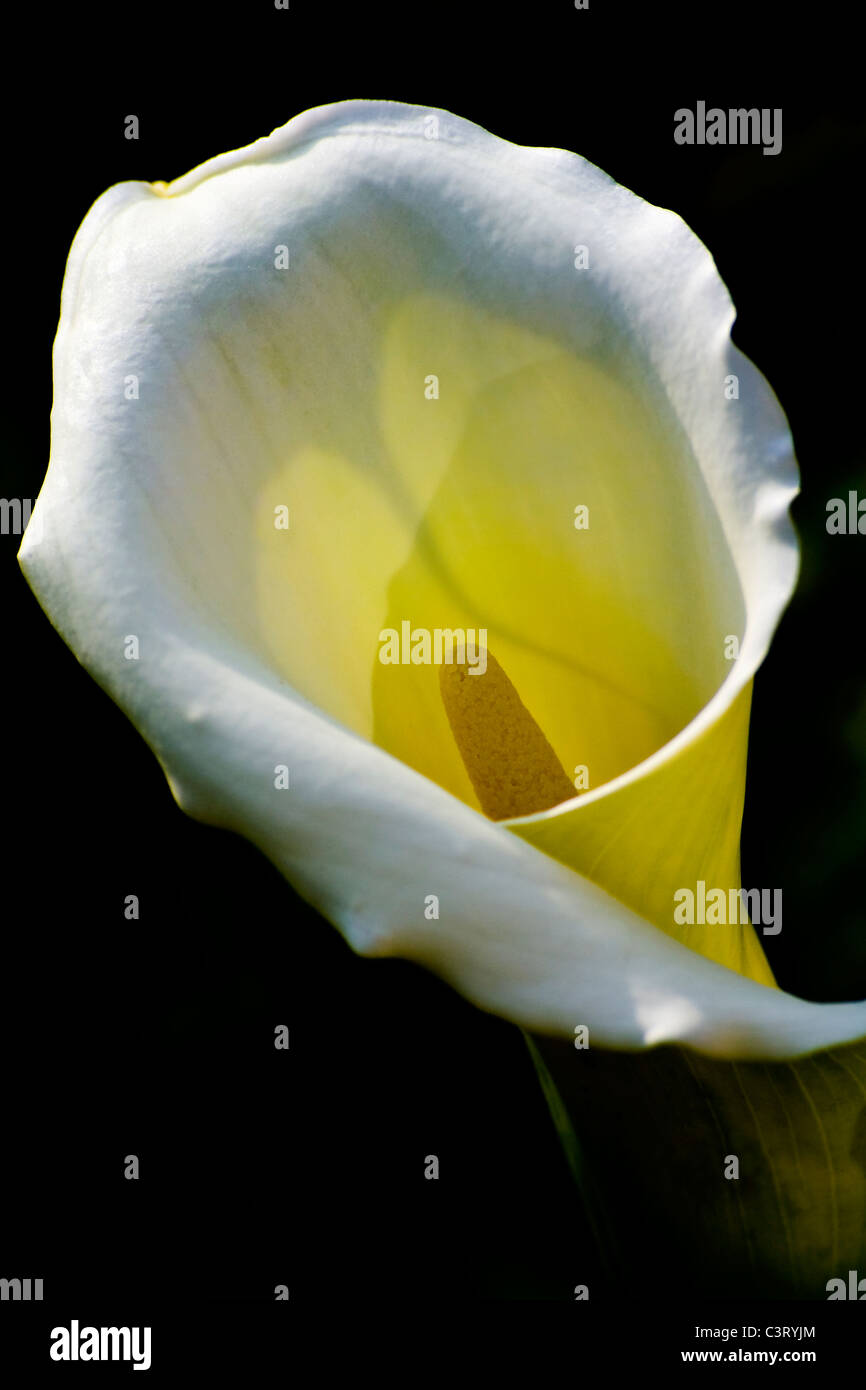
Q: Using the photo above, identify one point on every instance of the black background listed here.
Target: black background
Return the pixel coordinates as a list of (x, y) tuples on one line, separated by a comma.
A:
[(156, 1037)]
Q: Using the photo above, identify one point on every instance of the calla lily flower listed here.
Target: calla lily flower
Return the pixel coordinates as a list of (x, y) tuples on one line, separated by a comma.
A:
[(364, 372)]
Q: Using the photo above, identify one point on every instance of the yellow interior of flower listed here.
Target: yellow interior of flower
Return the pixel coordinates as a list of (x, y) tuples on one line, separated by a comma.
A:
[(433, 477), (458, 511)]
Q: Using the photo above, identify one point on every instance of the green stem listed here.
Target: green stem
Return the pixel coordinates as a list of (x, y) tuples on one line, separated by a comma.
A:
[(600, 1226)]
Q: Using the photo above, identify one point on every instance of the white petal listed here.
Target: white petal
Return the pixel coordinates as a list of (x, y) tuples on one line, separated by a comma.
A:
[(154, 511)]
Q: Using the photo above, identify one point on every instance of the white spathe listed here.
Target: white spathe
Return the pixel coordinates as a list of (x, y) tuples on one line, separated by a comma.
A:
[(258, 334)]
